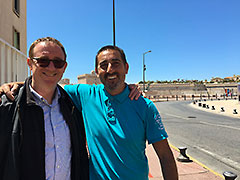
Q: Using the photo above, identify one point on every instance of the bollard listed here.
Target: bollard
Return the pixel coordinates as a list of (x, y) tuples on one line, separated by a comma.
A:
[(213, 108), (207, 107), (222, 109), (229, 175), (182, 156), (235, 111), (204, 105), (199, 104), (194, 102)]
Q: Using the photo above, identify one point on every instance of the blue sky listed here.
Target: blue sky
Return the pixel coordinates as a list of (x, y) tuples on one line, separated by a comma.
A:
[(189, 39)]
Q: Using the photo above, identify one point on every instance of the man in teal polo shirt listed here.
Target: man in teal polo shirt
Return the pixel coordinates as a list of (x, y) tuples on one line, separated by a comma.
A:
[(117, 128)]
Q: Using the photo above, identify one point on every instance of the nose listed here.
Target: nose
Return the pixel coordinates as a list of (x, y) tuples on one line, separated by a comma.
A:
[(51, 65), (110, 67)]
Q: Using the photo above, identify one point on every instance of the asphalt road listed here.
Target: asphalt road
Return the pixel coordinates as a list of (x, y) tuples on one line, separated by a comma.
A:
[(211, 139)]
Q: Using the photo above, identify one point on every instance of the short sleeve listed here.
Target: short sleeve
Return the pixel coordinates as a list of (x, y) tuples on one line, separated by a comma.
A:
[(155, 130), (78, 93)]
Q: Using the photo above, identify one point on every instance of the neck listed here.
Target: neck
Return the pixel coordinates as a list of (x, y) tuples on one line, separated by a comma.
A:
[(115, 91), (46, 92)]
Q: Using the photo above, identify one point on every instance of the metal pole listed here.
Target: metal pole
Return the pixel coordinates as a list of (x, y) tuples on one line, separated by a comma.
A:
[(114, 43), (144, 69)]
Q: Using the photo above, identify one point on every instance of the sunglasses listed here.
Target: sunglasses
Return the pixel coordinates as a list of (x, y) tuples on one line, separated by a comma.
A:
[(44, 62)]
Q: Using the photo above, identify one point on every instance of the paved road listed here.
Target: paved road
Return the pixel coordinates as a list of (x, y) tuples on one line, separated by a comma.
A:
[(212, 139)]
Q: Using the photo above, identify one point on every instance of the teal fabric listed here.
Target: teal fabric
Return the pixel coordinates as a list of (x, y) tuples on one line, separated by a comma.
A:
[(117, 130)]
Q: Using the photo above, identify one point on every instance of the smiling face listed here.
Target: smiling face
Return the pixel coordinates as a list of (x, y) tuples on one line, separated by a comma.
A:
[(46, 77), (112, 70)]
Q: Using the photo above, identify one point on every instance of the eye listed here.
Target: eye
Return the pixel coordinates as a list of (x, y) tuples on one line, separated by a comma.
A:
[(104, 66), (115, 64)]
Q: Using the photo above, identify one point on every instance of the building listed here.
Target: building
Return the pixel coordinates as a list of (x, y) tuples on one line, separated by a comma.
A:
[(89, 78), (13, 40), (216, 79)]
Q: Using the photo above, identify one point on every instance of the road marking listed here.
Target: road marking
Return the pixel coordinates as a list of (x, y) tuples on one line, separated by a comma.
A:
[(220, 125), (227, 161), (202, 122), (180, 117)]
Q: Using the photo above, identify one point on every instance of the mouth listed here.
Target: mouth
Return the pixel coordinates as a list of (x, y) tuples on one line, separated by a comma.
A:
[(50, 74), (111, 77)]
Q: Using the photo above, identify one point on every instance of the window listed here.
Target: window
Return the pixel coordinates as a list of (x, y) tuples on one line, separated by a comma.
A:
[(16, 39), (16, 7)]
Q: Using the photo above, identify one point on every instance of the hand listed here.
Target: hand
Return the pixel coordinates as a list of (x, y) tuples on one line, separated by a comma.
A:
[(135, 91), (10, 89)]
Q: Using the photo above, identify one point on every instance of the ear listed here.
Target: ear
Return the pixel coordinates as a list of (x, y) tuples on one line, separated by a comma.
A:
[(29, 62), (126, 67)]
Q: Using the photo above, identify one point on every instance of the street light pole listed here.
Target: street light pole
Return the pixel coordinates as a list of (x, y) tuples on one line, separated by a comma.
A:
[(114, 43), (144, 69)]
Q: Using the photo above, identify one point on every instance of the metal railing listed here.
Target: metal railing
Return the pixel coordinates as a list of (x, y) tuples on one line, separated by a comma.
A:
[(13, 63)]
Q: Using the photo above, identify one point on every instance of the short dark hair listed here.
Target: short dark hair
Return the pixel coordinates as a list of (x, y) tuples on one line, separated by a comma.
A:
[(46, 39), (104, 48)]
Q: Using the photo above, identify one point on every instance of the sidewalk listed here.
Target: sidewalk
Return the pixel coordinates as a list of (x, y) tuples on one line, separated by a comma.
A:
[(228, 105), (186, 171)]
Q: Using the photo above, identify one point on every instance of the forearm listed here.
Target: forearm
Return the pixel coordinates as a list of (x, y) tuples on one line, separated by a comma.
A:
[(169, 168), (166, 159)]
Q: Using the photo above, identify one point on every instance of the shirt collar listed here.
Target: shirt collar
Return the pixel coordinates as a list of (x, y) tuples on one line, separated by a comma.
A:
[(38, 97), (119, 97)]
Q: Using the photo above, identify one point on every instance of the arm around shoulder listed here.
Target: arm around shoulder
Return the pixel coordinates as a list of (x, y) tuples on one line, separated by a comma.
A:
[(166, 159)]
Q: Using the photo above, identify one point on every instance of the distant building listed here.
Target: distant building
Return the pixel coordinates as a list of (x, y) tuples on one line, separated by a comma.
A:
[(64, 81), (228, 79), (89, 78), (236, 77), (216, 79), (13, 40)]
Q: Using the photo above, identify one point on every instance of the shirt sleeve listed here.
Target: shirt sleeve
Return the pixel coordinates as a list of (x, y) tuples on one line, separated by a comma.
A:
[(78, 93), (155, 129)]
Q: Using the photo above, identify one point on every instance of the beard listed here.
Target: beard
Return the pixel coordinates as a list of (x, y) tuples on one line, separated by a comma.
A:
[(111, 84)]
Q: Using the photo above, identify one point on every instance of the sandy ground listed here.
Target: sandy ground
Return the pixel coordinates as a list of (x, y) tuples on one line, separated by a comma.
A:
[(228, 106)]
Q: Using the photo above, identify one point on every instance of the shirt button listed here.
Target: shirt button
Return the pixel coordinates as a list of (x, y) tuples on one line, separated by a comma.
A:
[(57, 146), (58, 166)]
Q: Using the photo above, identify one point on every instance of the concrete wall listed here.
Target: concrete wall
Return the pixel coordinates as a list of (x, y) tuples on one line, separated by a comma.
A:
[(10, 20), (189, 89), (88, 79)]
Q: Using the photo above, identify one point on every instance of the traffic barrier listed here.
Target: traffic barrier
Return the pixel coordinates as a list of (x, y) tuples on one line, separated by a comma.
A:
[(183, 156), (235, 111), (229, 175), (200, 104), (204, 105), (222, 109)]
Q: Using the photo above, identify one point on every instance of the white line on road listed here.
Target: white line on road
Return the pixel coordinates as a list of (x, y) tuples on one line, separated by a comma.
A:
[(227, 161), (202, 122)]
